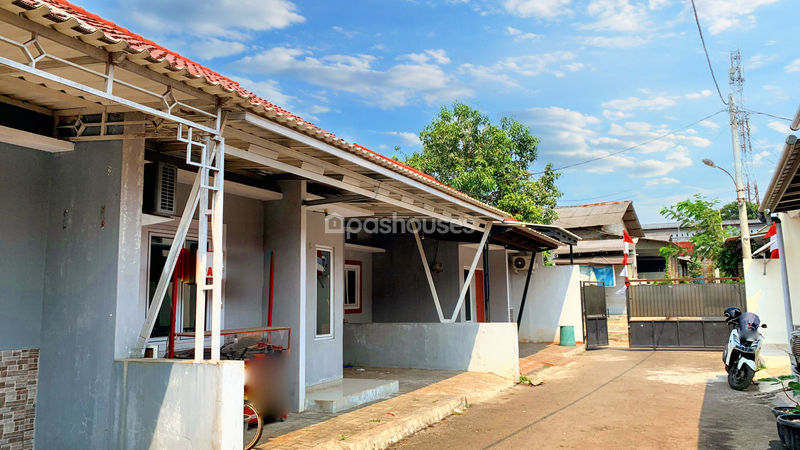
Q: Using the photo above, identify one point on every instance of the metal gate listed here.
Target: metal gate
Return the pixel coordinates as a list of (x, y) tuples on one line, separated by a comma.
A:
[(681, 315), (595, 319)]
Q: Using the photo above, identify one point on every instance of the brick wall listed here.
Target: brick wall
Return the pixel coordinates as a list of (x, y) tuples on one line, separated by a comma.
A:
[(18, 377)]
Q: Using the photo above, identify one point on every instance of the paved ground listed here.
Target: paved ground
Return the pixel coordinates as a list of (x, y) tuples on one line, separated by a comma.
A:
[(616, 398)]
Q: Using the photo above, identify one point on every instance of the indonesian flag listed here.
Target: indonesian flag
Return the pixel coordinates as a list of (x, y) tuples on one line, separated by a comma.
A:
[(772, 234), (626, 241)]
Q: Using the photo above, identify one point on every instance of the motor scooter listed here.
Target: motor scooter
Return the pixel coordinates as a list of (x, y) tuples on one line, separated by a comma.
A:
[(742, 354)]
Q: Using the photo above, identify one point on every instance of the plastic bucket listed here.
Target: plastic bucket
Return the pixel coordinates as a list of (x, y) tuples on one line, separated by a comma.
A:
[(567, 336)]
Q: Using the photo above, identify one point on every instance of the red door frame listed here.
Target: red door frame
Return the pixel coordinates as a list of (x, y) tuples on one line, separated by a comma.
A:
[(480, 313)]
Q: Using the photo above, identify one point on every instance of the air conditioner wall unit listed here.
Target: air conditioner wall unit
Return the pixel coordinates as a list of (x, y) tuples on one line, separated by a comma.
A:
[(166, 183)]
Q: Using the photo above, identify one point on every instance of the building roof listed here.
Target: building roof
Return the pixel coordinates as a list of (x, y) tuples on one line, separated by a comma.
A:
[(600, 215), (76, 22), (783, 193)]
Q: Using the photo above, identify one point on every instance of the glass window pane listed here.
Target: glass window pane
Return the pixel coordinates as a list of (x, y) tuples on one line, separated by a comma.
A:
[(351, 283), (324, 292)]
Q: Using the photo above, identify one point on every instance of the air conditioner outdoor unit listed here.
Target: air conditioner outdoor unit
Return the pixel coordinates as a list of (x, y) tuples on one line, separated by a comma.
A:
[(520, 262), (166, 182)]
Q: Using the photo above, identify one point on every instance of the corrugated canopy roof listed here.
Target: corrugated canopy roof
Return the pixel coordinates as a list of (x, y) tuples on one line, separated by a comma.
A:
[(783, 193), (600, 215)]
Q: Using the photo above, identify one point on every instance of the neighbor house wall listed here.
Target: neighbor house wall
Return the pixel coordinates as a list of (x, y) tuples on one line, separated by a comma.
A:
[(553, 299), (400, 289), (790, 226), (475, 347), (764, 291), (616, 303), (365, 258), (323, 354), (24, 188)]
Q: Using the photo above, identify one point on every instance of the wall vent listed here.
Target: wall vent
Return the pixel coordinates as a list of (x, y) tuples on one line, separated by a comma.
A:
[(166, 181)]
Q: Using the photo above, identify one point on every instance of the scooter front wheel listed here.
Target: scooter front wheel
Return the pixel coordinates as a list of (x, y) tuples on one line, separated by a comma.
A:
[(739, 379)]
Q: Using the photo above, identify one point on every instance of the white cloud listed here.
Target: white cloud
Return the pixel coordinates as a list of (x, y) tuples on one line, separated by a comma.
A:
[(540, 9), (407, 138), (269, 91), (615, 115), (527, 66), (760, 157), (231, 19), (724, 15), (633, 103), (439, 56), (398, 85), (519, 35), (708, 124), (214, 48), (349, 34), (756, 61), (780, 127), (662, 180), (617, 15), (698, 95), (614, 41), (794, 66), (320, 109)]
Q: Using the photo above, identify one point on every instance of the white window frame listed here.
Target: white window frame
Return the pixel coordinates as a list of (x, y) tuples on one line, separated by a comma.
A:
[(332, 289), (355, 308)]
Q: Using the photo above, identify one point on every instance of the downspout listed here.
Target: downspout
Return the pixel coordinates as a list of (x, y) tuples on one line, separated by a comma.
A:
[(787, 299), (487, 315), (525, 290)]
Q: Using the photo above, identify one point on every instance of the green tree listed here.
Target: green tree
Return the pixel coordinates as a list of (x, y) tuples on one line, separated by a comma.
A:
[(730, 211), (702, 218), (462, 148)]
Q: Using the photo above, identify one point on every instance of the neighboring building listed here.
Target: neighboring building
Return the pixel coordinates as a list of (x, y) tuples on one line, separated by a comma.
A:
[(770, 282), (94, 224), (600, 251)]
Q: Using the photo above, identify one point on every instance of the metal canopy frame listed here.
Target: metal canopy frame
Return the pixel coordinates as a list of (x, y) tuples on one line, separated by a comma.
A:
[(204, 137)]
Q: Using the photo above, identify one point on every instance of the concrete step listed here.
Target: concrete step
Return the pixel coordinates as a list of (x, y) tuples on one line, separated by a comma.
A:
[(347, 393)]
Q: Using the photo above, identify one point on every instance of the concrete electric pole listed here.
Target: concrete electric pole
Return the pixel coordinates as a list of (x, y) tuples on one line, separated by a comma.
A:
[(744, 226)]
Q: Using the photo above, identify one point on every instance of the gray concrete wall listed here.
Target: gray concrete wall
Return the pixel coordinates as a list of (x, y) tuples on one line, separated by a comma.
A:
[(77, 393), (24, 192), (365, 316), (400, 291), (285, 234), (477, 347), (323, 354), (179, 404)]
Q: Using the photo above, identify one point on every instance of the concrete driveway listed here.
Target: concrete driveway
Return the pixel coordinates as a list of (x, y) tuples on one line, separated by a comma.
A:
[(617, 398)]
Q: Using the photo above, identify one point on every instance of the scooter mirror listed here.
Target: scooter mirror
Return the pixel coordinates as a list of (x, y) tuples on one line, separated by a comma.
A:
[(763, 325)]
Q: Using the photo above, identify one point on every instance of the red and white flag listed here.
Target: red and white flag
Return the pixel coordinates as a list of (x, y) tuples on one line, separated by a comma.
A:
[(772, 234), (626, 241)]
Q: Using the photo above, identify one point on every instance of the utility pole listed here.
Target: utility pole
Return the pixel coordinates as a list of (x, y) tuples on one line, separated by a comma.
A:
[(744, 226)]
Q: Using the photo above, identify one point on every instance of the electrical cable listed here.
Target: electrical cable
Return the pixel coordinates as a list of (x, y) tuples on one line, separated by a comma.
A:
[(700, 30), (627, 149), (767, 114)]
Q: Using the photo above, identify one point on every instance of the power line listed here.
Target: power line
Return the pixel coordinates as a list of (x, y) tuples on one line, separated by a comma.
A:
[(768, 115), (627, 149), (700, 30)]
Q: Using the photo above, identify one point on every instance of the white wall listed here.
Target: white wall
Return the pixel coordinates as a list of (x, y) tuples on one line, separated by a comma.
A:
[(554, 299), (790, 223), (180, 404), (765, 297), (474, 347), (365, 258)]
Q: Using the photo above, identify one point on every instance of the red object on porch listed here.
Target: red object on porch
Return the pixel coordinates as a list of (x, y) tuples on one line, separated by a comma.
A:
[(271, 286), (183, 273), (480, 312)]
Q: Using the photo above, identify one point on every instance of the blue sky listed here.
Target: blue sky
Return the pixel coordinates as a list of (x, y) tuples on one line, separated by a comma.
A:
[(589, 77)]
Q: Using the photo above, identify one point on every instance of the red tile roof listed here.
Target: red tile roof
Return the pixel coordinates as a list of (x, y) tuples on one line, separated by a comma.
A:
[(112, 37)]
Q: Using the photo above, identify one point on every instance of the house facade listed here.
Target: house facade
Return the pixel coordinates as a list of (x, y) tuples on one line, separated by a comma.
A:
[(150, 200)]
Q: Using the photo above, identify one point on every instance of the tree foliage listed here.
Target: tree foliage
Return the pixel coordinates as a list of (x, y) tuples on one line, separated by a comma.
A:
[(703, 220), (730, 211), (462, 148)]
